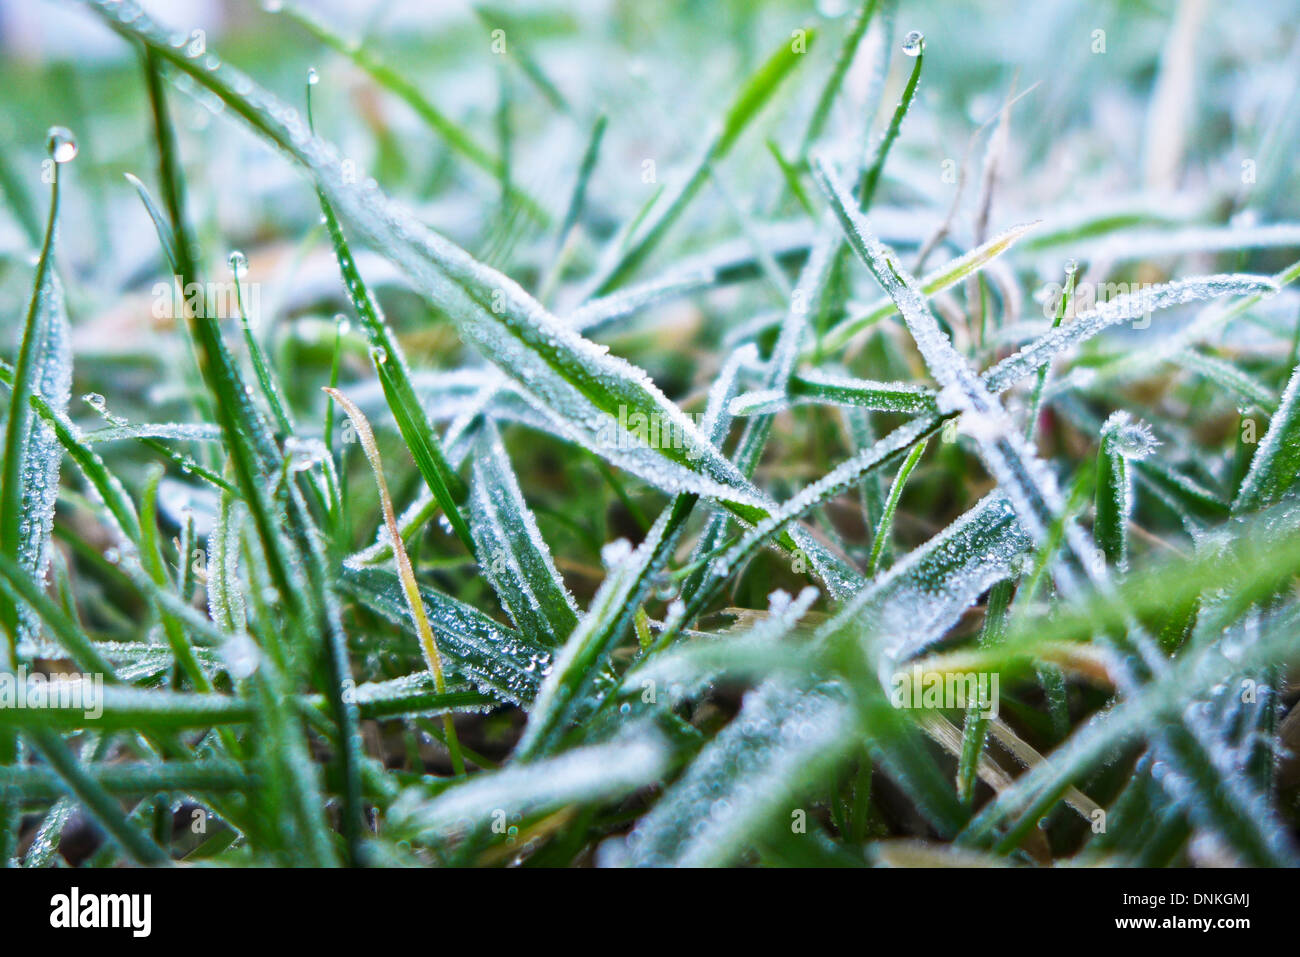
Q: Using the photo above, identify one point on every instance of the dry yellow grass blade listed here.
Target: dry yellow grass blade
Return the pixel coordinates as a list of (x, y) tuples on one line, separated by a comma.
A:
[(405, 573)]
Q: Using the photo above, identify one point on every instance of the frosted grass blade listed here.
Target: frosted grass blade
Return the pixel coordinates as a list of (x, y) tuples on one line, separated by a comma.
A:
[(1276, 463), (513, 554), (746, 779), (593, 774)]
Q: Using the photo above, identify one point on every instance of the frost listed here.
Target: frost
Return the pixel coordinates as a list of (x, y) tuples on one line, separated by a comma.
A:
[(767, 401), (605, 310), (752, 653), (499, 661), (746, 776), (599, 772), (39, 450), (304, 453), (1147, 244), (1120, 309), (920, 598), (1276, 465), (1132, 439), (614, 554), (512, 553), (181, 503), (162, 430), (830, 485), (716, 418)]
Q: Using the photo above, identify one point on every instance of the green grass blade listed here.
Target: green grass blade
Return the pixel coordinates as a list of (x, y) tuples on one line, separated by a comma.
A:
[(136, 779), (883, 529), (30, 471), (95, 799), (747, 780), (820, 387), (595, 774), (835, 81), (1276, 463), (395, 378), (454, 135), (749, 101), (513, 555), (499, 661)]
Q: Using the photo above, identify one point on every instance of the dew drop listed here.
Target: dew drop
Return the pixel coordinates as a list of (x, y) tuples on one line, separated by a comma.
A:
[(312, 76), (914, 43), (1071, 267), (94, 400), (304, 453), (379, 354), (61, 144), (238, 264)]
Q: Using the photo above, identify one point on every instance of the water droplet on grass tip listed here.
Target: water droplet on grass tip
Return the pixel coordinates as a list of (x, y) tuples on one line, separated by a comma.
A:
[(914, 43), (238, 264), (61, 144), (312, 76)]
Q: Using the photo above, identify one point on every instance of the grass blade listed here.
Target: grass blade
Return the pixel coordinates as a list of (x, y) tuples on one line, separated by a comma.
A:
[(515, 557), (410, 588)]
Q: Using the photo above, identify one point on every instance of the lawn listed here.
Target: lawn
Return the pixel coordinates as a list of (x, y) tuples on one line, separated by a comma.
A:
[(627, 434)]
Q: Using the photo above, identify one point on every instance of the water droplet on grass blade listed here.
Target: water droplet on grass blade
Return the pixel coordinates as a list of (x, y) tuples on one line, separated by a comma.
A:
[(312, 76), (61, 144), (238, 264), (914, 43)]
